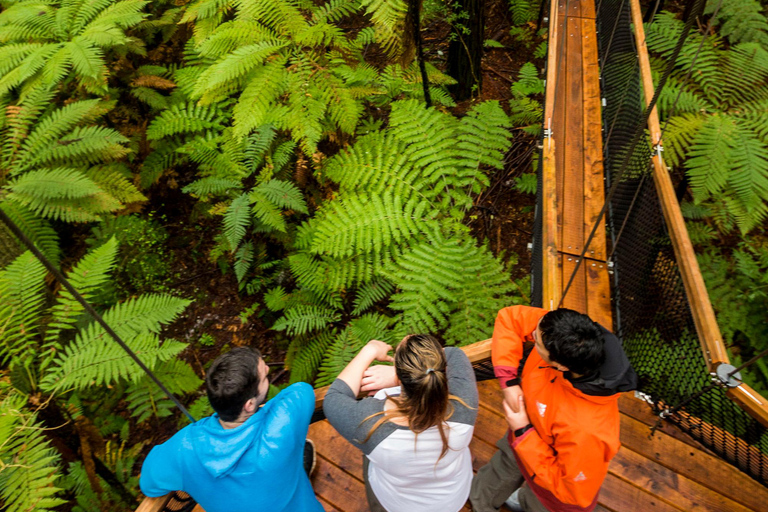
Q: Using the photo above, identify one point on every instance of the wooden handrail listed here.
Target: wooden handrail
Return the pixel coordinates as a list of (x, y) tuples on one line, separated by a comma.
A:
[(703, 313), (550, 275), (476, 352)]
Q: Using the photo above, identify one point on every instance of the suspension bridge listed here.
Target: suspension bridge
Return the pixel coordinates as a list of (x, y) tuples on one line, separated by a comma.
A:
[(610, 241)]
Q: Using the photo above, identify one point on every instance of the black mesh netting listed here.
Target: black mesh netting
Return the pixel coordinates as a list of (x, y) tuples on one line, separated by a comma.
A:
[(652, 314)]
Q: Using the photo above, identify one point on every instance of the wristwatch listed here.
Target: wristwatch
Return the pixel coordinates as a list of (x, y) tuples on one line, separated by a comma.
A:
[(513, 382), (523, 430)]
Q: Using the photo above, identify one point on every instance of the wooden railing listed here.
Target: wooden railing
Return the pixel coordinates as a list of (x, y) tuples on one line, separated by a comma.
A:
[(550, 276), (708, 331)]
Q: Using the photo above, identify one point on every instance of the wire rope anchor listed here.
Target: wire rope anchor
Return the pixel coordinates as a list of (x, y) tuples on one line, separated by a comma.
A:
[(658, 149), (547, 133), (726, 375)]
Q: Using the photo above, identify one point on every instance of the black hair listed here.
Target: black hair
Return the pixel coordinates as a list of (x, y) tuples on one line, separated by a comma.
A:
[(573, 340), (232, 380)]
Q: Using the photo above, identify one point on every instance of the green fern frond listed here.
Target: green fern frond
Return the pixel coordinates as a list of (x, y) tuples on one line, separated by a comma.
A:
[(265, 85), (233, 67), (427, 277), (116, 180), (372, 326), (94, 358), (337, 356), (307, 358), (21, 300), (275, 299), (484, 291), (36, 229), (302, 319), (146, 399), (243, 260), (710, 156), (205, 188), (361, 224), (388, 17), (283, 194), (189, 118), (30, 464), (679, 135), (371, 293), (236, 220), (740, 20), (88, 277)]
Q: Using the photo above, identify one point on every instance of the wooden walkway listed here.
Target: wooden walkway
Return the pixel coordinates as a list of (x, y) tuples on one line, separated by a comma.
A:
[(574, 112), (668, 473)]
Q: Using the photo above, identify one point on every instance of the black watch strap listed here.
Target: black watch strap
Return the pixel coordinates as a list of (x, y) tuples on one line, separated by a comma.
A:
[(513, 382), (523, 430)]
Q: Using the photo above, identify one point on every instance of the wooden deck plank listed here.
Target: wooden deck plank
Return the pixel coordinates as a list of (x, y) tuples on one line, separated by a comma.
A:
[(576, 298), (598, 289), (594, 188), (693, 464), (622, 496), (572, 227), (336, 449), (340, 489), (327, 506), (667, 485)]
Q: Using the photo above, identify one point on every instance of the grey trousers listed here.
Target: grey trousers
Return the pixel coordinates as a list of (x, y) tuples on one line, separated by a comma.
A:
[(373, 501), (498, 479)]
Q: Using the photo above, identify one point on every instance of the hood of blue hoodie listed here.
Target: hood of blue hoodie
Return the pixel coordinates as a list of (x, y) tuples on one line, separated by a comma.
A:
[(218, 449)]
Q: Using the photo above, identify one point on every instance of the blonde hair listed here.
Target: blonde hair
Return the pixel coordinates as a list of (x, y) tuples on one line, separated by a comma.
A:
[(420, 366)]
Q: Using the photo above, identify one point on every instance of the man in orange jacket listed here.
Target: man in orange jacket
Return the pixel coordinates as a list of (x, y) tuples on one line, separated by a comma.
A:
[(561, 404)]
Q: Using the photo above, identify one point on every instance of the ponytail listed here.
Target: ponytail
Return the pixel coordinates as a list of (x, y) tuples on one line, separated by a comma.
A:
[(420, 366)]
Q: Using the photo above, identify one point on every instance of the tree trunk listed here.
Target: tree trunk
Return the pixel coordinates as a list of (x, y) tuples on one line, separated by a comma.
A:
[(466, 50)]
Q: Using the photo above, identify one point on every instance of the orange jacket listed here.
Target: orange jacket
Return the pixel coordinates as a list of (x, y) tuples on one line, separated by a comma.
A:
[(565, 456)]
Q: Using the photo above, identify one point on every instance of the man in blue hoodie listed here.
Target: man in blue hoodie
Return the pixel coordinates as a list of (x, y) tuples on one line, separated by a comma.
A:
[(242, 458)]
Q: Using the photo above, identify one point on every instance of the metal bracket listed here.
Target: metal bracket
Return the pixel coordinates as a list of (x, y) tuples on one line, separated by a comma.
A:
[(547, 133), (722, 376), (658, 149)]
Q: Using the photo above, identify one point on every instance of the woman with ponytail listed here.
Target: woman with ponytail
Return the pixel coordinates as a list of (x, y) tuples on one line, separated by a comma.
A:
[(415, 429)]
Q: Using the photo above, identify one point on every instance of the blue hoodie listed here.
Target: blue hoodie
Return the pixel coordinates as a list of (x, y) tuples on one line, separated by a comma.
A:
[(256, 466)]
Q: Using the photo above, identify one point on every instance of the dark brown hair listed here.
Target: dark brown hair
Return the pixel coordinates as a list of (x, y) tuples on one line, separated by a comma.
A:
[(425, 402)]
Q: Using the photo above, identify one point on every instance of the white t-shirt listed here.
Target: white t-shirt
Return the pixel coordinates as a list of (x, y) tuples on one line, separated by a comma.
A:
[(404, 471)]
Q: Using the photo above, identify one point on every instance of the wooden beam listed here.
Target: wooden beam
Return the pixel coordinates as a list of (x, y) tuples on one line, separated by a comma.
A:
[(550, 271), (703, 313), (154, 504)]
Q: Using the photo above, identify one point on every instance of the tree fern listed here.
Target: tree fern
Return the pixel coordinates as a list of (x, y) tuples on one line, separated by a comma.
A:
[(308, 355), (36, 229), (94, 358), (56, 160), (21, 290), (341, 351), (302, 319), (370, 293), (716, 133), (51, 39), (146, 399), (88, 277), (740, 21), (30, 464)]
